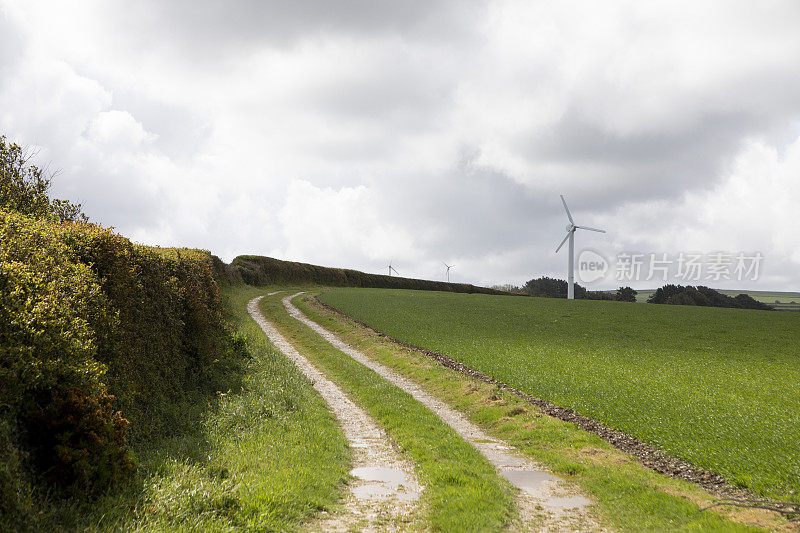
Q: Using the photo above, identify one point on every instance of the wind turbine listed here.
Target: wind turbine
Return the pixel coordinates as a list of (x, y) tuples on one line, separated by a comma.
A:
[(571, 227), (391, 268), (448, 270)]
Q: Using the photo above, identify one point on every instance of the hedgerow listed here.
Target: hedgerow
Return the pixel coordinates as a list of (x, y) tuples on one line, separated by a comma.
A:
[(257, 270), (102, 344), (53, 314), (171, 343)]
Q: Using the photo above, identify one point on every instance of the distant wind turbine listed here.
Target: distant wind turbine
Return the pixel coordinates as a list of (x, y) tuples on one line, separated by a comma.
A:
[(391, 268), (571, 227), (448, 270)]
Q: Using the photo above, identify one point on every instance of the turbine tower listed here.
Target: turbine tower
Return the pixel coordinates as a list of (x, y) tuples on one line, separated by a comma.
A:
[(391, 268), (448, 270), (571, 227)]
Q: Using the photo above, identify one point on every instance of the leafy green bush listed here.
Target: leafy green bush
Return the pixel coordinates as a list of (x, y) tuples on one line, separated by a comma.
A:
[(53, 315), (15, 482), (171, 343)]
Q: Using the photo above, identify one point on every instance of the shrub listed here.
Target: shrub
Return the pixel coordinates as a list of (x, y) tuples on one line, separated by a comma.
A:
[(171, 343), (53, 315), (508, 287), (15, 481), (625, 294), (598, 295), (78, 440), (745, 301), (51, 312)]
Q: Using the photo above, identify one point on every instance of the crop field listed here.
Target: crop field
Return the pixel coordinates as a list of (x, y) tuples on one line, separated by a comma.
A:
[(717, 387)]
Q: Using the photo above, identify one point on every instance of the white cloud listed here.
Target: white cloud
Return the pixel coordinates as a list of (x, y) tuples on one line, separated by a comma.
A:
[(118, 130), (343, 227)]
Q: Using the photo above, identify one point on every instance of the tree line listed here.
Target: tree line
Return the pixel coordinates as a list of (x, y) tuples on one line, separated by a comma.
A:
[(545, 287)]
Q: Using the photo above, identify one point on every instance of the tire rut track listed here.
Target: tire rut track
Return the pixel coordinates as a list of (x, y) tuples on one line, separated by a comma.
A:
[(385, 491), (544, 499)]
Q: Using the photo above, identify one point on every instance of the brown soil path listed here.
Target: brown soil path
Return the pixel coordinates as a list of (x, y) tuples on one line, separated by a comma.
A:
[(385, 490)]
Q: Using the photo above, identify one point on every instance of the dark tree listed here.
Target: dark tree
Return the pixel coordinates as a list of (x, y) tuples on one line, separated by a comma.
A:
[(745, 301), (662, 294), (551, 288), (625, 294), (703, 296)]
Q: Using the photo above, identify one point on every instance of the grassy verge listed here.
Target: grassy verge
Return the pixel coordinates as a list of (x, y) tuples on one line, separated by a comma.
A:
[(715, 387), (265, 458), (630, 496), (462, 490)]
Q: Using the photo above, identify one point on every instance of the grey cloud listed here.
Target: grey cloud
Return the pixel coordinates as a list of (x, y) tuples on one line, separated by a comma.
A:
[(211, 28), (661, 164), (473, 210), (400, 94)]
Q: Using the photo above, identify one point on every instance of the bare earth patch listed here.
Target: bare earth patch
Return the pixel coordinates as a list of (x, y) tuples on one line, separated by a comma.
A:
[(546, 502), (385, 490)]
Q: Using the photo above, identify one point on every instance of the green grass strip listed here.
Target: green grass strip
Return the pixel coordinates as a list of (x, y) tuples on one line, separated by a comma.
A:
[(462, 492), (629, 496)]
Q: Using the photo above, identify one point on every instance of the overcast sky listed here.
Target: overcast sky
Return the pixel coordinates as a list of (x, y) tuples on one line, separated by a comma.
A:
[(358, 132)]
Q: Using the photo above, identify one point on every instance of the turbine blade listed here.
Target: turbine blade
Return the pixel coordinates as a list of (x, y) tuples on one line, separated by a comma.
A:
[(569, 215), (562, 242), (591, 229)]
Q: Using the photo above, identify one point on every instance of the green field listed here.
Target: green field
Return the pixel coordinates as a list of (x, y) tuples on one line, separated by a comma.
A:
[(717, 387), (782, 301)]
